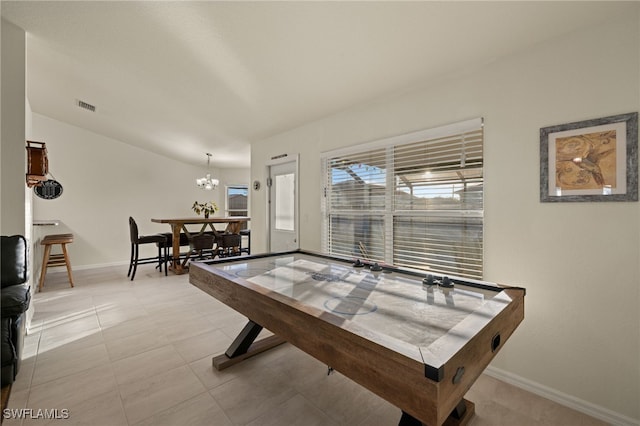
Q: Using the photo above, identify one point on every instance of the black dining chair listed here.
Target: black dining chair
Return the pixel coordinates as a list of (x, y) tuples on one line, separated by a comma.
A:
[(201, 247), (247, 248), (136, 240), (228, 244)]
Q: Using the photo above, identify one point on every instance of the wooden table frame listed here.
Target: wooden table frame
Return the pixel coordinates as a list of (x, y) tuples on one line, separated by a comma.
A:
[(234, 225), (427, 383)]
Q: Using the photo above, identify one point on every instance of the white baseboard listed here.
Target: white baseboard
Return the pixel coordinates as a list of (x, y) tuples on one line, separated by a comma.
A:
[(101, 265), (85, 267), (561, 398)]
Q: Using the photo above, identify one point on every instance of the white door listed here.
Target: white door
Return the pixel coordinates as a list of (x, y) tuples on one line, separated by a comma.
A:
[(283, 207)]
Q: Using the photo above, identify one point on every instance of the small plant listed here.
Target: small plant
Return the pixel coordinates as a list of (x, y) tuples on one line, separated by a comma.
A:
[(207, 208)]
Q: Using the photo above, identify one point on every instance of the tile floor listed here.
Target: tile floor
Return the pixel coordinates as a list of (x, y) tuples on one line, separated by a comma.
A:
[(114, 352)]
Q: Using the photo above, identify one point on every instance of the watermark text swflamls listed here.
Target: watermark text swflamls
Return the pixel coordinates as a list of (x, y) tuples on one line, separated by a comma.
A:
[(35, 413)]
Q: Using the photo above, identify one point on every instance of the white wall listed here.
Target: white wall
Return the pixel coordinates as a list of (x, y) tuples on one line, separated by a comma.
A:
[(105, 181), (580, 339)]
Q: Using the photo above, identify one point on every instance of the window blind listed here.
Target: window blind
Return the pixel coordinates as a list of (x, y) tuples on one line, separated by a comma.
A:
[(413, 201)]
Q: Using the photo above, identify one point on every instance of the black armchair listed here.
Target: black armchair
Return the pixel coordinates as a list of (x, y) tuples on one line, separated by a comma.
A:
[(16, 296)]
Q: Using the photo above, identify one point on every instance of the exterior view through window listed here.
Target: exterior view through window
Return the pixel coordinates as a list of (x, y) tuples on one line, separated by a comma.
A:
[(414, 201), (237, 201)]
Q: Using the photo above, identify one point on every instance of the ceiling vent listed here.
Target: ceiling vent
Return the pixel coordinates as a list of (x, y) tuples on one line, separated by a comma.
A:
[(86, 106)]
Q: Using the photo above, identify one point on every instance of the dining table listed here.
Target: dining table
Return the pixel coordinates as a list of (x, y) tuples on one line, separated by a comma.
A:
[(178, 225)]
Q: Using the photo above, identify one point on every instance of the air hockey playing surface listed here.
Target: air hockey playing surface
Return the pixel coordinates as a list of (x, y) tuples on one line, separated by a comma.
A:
[(393, 304)]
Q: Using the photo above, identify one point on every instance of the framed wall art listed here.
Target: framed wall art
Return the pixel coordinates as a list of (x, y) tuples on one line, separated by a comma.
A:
[(592, 160)]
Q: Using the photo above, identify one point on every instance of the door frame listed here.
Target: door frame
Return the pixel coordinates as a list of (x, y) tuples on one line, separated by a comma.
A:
[(274, 161)]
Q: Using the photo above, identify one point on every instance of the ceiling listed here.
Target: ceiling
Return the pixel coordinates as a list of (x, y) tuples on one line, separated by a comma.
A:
[(185, 78)]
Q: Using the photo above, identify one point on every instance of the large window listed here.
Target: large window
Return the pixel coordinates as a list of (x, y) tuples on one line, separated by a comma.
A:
[(413, 201)]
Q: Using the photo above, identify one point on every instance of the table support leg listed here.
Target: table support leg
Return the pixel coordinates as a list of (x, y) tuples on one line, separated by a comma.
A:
[(244, 340), (175, 249), (409, 420), (244, 346), (460, 416), (460, 410)]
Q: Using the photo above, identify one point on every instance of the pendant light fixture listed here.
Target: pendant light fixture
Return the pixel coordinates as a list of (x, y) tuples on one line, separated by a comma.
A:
[(206, 182)]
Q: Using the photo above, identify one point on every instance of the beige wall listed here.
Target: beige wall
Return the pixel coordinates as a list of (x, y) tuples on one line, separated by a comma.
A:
[(12, 149), (580, 341), (105, 181), (15, 197)]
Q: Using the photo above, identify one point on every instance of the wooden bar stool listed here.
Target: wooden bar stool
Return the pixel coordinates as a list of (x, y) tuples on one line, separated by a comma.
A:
[(55, 259)]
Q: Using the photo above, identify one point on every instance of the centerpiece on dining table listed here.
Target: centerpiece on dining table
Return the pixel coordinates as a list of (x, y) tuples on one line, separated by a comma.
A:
[(206, 208)]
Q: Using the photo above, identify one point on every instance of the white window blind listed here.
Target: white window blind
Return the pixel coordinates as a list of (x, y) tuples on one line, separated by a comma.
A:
[(414, 201)]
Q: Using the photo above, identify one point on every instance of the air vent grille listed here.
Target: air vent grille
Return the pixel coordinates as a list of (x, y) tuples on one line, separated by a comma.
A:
[(86, 106)]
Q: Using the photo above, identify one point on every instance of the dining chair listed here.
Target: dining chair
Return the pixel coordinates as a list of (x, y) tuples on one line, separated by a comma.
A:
[(201, 247), (136, 241), (247, 248), (228, 244)]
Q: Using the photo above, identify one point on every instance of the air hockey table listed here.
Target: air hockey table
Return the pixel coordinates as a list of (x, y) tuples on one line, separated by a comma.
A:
[(417, 340)]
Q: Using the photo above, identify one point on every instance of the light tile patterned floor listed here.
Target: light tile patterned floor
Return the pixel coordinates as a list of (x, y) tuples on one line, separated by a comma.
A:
[(114, 352)]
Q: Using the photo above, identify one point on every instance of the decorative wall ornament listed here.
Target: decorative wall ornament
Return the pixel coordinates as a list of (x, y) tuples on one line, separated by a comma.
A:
[(49, 190), (37, 163), (38, 170), (592, 160)]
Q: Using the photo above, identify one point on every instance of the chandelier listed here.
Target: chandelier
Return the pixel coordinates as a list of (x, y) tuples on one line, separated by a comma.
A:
[(206, 182)]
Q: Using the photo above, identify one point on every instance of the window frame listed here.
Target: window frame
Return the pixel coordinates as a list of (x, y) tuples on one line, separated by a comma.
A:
[(227, 208), (390, 213)]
